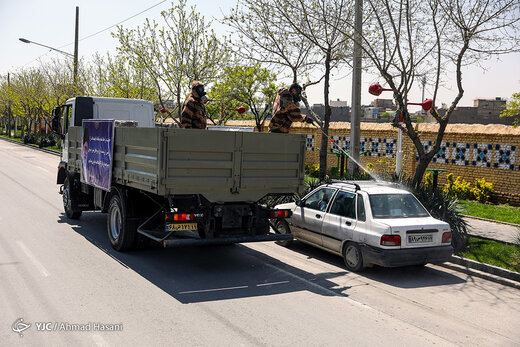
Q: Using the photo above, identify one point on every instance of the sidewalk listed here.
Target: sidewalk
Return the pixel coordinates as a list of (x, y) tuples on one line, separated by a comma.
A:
[(491, 230)]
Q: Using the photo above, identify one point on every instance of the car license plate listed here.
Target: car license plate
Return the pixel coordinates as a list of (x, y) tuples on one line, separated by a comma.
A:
[(420, 238), (181, 226)]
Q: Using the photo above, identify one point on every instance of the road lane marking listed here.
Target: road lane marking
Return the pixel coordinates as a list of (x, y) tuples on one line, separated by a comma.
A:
[(31, 256), (44, 170), (322, 289), (212, 290), (271, 284)]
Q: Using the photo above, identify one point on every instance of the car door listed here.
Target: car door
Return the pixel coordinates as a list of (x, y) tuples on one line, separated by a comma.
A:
[(340, 221), (308, 217)]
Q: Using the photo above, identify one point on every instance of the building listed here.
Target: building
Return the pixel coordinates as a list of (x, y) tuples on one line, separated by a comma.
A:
[(340, 112), (483, 111)]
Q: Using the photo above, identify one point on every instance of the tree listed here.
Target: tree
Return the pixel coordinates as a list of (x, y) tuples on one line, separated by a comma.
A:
[(512, 109), (183, 50), (322, 23), (250, 86), (114, 76), (262, 35), (404, 39)]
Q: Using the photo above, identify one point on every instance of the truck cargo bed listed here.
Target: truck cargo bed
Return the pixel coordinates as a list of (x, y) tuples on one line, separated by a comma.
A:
[(222, 166)]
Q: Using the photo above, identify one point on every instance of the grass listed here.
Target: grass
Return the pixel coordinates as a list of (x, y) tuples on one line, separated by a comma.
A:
[(12, 138), (503, 213), (493, 253), (55, 148)]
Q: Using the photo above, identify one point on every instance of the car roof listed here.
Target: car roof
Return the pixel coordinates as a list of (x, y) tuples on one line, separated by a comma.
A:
[(371, 187)]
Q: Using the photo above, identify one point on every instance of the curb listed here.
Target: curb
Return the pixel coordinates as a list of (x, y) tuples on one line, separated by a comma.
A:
[(491, 220), (50, 151), (486, 271)]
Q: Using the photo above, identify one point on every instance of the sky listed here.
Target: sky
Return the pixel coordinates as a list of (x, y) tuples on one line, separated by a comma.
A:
[(51, 23)]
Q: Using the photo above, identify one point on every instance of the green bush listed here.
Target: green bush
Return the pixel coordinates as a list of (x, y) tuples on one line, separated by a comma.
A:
[(482, 191), (313, 170), (458, 188), (428, 180)]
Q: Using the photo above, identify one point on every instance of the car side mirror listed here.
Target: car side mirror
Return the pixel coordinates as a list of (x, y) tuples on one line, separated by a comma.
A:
[(299, 202)]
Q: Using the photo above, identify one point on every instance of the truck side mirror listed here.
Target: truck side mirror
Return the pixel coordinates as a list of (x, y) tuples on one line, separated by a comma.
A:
[(55, 124)]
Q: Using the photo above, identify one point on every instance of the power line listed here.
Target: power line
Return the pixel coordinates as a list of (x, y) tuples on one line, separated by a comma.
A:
[(110, 27), (99, 32)]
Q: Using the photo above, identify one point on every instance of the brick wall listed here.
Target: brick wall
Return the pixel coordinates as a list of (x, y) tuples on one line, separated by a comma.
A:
[(470, 151)]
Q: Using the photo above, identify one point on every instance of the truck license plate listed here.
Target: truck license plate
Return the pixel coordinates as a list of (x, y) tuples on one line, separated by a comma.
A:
[(181, 226), (420, 238)]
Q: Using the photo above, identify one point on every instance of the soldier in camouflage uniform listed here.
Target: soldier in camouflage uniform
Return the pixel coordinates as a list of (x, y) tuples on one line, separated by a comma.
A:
[(194, 112), (285, 111)]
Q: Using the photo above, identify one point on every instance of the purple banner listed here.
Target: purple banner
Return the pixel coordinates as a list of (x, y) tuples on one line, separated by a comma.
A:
[(96, 153)]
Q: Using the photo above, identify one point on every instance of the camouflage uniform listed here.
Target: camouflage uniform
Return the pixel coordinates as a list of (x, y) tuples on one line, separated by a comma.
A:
[(285, 112), (194, 112)]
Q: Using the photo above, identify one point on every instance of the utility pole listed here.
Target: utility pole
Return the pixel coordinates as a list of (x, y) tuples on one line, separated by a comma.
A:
[(423, 82), (9, 105), (355, 128), (76, 91)]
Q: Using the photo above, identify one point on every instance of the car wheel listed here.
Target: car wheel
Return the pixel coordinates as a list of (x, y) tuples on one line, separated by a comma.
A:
[(68, 194), (353, 257), (282, 227), (122, 232)]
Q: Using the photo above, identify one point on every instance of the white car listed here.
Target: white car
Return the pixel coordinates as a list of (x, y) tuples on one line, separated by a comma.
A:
[(368, 222)]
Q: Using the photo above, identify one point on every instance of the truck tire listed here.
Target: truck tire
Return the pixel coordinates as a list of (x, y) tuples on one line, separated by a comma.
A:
[(122, 232), (282, 227), (69, 193), (353, 257)]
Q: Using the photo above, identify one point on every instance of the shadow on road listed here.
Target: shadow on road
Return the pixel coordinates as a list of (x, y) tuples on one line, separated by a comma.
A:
[(198, 274), (402, 277)]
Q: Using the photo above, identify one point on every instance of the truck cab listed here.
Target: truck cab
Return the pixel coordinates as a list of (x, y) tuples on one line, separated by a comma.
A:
[(75, 110)]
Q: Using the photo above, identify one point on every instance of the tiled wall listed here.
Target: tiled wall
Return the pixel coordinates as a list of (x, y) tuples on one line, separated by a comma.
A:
[(470, 151)]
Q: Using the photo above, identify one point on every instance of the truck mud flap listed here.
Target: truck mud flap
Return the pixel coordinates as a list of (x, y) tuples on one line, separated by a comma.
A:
[(225, 240)]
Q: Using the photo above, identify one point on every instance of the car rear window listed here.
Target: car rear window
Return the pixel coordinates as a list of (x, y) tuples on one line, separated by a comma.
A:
[(396, 206)]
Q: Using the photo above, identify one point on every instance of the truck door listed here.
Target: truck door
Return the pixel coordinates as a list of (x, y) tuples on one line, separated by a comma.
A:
[(308, 218), (66, 112), (340, 222)]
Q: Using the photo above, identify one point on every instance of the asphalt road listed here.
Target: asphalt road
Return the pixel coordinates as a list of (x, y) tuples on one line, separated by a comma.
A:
[(61, 272)]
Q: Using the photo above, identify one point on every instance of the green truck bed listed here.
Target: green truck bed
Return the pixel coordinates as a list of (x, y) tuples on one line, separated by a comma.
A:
[(223, 166)]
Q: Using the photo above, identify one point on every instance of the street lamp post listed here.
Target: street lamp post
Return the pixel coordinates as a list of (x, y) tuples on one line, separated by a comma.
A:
[(73, 56)]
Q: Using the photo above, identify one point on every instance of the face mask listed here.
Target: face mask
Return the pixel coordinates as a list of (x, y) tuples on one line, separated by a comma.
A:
[(204, 98), (297, 98), (200, 91)]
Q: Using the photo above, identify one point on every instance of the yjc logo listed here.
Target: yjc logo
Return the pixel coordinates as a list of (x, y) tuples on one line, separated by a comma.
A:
[(19, 326)]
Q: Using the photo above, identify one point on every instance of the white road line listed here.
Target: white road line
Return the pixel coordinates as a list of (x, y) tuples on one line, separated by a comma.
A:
[(99, 340), (41, 168), (271, 284), (322, 289), (212, 290), (31, 256)]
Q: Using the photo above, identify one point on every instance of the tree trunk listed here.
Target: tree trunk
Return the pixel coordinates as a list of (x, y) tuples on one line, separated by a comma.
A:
[(326, 120), (424, 161)]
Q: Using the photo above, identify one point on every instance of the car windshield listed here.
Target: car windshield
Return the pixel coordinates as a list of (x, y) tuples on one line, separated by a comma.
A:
[(396, 206)]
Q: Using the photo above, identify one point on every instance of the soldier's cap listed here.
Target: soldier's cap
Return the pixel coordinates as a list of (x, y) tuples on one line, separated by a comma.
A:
[(195, 84), (296, 86)]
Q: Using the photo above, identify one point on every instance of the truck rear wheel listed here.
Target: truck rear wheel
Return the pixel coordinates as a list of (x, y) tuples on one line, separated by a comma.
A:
[(68, 194), (122, 232), (282, 227)]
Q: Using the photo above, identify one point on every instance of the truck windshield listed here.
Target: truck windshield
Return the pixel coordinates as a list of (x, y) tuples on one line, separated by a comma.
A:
[(396, 206)]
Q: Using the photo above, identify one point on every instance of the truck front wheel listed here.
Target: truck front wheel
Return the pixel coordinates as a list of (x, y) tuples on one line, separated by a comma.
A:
[(121, 230), (68, 194)]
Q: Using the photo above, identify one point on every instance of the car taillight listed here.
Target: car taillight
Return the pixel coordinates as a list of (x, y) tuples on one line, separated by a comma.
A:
[(279, 213), (179, 217), (390, 240), (446, 237)]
